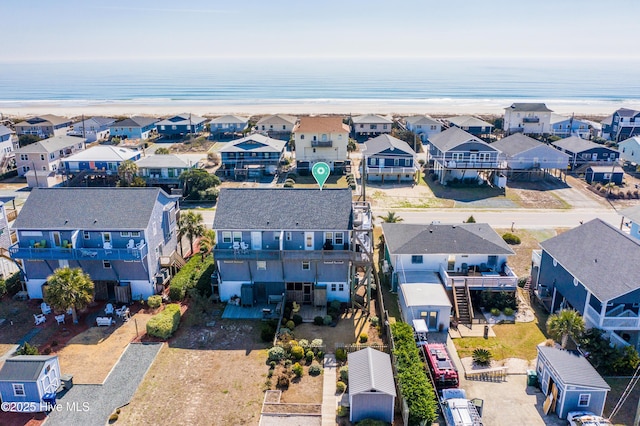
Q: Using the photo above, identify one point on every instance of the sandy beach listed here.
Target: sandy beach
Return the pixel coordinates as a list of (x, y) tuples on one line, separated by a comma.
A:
[(436, 107)]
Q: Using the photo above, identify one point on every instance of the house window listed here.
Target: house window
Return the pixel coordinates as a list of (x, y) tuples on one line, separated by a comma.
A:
[(261, 265), (86, 235), (584, 399), (226, 237), (276, 236), (396, 161), (334, 287), (340, 287), (384, 126), (457, 156), (42, 157), (24, 157), (338, 238), (416, 258), (106, 237), (328, 237), (135, 233), (306, 265), (125, 234), (407, 162), (18, 389), (237, 236), (52, 156), (288, 236), (433, 127), (106, 264), (284, 127), (301, 136)]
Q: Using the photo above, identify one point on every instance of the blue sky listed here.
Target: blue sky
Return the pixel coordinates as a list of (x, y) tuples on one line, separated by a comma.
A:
[(145, 29)]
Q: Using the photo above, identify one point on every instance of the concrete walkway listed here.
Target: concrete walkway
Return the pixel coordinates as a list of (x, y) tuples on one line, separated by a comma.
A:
[(329, 398)]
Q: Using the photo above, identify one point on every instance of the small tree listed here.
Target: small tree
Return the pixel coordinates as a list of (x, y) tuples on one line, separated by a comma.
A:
[(566, 323), (190, 224), (195, 180), (471, 219), (391, 218), (69, 289), (207, 242), (27, 349), (127, 170)]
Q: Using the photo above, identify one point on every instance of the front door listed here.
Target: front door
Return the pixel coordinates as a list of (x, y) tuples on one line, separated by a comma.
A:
[(256, 240), (473, 157), (308, 241), (432, 320), (56, 239), (307, 293), (451, 262)]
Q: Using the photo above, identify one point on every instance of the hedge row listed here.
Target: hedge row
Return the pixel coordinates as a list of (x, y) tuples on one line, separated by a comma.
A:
[(412, 379), (196, 272), (165, 323), (11, 285)]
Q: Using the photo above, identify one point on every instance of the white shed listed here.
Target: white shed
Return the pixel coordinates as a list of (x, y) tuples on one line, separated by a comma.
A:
[(372, 391), (427, 300)]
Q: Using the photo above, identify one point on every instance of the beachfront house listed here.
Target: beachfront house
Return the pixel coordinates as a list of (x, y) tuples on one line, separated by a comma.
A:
[(582, 151), (633, 214), (389, 159), (29, 381), (624, 123), (101, 158), (630, 150), (529, 118), (121, 237), (321, 139), (593, 269), (372, 390), (162, 170), (228, 124), (277, 126), (181, 125), (92, 129), (460, 156), (7, 266), (44, 126), (472, 125), (524, 153), (423, 126), (47, 154), (452, 260), (251, 157), (371, 125), (8, 142), (303, 243), (563, 126), (134, 128), (569, 382)]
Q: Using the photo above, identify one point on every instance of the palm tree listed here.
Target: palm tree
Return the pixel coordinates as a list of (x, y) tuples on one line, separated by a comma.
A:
[(207, 242), (566, 323), (391, 218), (190, 224), (127, 170), (69, 289)]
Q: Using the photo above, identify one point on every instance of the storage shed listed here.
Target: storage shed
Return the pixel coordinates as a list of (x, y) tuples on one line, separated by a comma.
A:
[(372, 391), (427, 300), (569, 382), (604, 174), (31, 380)]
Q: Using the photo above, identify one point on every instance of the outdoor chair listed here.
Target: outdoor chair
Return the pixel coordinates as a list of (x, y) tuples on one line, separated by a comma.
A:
[(140, 244), (131, 244), (123, 312), (236, 246), (465, 268), (244, 247), (43, 243), (108, 309), (60, 319), (106, 246), (39, 318), (46, 309)]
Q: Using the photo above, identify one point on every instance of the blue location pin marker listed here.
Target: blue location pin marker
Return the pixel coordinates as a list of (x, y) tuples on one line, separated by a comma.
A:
[(320, 172)]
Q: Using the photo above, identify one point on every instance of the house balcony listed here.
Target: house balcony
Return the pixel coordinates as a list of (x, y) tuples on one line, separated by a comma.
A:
[(531, 120), (391, 170), (283, 255), (476, 280), (481, 165), (613, 319), (84, 253), (322, 144)]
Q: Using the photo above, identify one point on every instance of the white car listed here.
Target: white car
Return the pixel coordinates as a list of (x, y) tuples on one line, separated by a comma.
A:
[(586, 418)]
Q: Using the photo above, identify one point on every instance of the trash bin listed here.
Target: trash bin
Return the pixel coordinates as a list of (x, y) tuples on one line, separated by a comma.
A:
[(532, 378), (486, 331)]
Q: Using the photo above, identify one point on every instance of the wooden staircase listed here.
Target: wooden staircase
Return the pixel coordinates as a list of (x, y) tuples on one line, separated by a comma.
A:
[(527, 285), (174, 260), (462, 303)]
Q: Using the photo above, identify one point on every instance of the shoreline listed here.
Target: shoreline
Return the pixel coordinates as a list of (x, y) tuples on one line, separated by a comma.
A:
[(436, 107)]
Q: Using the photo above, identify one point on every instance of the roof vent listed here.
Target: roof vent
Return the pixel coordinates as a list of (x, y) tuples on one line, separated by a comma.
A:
[(431, 231), (595, 260), (95, 220)]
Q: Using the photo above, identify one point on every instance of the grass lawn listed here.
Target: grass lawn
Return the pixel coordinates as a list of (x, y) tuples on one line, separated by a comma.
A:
[(333, 181), (517, 340)]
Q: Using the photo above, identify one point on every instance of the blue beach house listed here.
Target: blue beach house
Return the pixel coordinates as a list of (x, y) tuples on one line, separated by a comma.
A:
[(389, 159), (181, 125), (29, 381), (133, 128), (624, 123), (121, 237), (99, 158), (472, 125), (582, 151)]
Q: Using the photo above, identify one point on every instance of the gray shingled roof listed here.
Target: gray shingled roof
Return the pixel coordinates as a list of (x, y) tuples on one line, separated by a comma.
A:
[(277, 119), (88, 208), (465, 238), (230, 119), (454, 137), (182, 120), (519, 143), (468, 121), (161, 160), (283, 208), (626, 112), (606, 169), (135, 122), (52, 144), (573, 369), (601, 257), (383, 142), (576, 144), (632, 213), (43, 119), (5, 131), (263, 144), (369, 370), (422, 120), (25, 368), (371, 119), (529, 107)]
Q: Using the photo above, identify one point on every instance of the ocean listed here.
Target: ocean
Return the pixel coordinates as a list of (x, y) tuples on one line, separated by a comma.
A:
[(255, 81)]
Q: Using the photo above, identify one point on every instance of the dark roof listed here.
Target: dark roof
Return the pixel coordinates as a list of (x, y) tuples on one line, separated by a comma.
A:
[(283, 208), (89, 208), (516, 143), (529, 106), (383, 142), (183, 120), (572, 369), (254, 143), (370, 369), (465, 238), (135, 122), (601, 257), (626, 112), (25, 368), (454, 137), (576, 144)]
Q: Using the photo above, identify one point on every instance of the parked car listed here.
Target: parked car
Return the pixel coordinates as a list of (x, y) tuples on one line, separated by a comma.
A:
[(586, 418)]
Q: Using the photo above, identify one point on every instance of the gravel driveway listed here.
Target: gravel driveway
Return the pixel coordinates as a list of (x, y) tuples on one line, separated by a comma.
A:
[(85, 405)]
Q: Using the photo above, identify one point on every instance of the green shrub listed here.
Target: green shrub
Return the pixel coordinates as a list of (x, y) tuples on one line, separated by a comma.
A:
[(288, 184), (511, 239), (318, 320), (154, 302), (344, 373), (508, 311), (372, 422), (340, 387), (471, 219), (320, 355), (327, 320), (316, 343), (495, 312), (3, 287), (297, 352), (315, 370), (276, 353), (272, 364), (269, 374), (364, 337), (164, 324), (341, 355), (27, 349), (195, 274), (283, 381), (375, 321), (304, 343), (482, 356), (297, 369), (342, 411), (297, 319), (309, 355), (267, 332), (287, 363), (290, 325), (13, 284)]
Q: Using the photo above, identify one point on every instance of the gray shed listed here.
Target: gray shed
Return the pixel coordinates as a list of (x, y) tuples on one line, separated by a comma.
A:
[(372, 391)]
